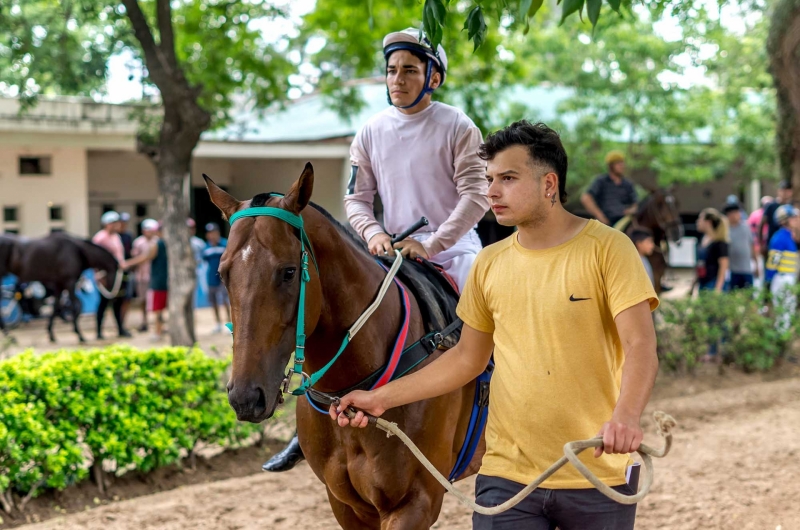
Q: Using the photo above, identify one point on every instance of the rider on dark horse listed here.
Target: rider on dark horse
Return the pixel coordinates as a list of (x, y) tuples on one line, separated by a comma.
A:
[(431, 169), (611, 196)]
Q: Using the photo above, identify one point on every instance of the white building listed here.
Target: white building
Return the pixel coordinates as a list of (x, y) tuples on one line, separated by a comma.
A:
[(67, 160)]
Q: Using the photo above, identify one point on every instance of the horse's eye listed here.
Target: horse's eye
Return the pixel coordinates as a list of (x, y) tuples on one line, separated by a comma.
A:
[(288, 274)]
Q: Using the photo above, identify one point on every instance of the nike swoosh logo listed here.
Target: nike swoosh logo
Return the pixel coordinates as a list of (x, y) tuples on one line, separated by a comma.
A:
[(573, 299)]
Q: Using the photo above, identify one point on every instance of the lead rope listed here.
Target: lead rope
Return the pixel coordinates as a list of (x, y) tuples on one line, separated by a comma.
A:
[(117, 284), (664, 424)]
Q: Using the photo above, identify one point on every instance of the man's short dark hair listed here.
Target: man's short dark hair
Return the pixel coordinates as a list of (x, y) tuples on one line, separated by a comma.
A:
[(640, 234), (543, 143)]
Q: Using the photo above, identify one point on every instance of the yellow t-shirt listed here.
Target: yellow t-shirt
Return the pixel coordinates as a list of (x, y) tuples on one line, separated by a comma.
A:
[(557, 352)]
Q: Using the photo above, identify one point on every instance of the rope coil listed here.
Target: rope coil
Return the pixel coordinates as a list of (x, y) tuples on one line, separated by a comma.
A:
[(664, 423)]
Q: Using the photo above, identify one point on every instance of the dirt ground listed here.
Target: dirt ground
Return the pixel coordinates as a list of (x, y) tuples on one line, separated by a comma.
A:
[(734, 466)]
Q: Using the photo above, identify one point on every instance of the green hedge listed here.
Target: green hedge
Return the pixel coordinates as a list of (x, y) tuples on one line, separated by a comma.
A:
[(742, 322), (135, 409)]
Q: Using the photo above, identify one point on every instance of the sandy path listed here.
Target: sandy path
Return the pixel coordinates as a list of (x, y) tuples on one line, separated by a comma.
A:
[(735, 465)]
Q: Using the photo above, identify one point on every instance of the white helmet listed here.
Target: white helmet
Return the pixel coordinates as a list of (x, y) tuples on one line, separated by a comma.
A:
[(415, 40)]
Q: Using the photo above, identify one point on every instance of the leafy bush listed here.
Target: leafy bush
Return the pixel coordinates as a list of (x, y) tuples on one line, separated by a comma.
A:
[(132, 409), (740, 322)]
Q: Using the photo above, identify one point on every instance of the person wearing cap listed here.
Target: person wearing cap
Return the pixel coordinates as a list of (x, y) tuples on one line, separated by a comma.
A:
[(217, 294), (611, 196), (768, 219), (108, 237), (127, 279), (196, 243), (142, 246), (783, 262), (421, 157), (741, 249), (755, 225)]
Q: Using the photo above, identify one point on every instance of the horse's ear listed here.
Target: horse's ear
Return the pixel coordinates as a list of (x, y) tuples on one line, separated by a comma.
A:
[(300, 193), (226, 203)]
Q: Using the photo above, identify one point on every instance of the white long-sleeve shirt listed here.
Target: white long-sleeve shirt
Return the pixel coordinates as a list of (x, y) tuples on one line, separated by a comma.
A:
[(424, 164)]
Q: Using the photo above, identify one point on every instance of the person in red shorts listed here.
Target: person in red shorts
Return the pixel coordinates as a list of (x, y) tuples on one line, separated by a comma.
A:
[(159, 287)]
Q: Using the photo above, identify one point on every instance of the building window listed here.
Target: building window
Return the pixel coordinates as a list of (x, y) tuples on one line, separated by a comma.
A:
[(10, 214), (35, 165), (56, 213), (108, 208), (10, 224), (141, 210)]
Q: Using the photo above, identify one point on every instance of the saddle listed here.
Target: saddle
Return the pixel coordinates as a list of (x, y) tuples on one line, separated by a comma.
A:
[(436, 294)]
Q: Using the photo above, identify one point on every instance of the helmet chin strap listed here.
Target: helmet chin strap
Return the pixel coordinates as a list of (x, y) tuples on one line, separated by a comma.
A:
[(426, 90)]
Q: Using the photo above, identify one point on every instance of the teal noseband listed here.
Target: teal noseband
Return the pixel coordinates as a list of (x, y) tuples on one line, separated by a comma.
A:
[(305, 249)]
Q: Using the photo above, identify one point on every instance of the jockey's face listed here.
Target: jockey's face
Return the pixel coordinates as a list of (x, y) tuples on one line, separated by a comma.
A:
[(405, 78), (518, 188)]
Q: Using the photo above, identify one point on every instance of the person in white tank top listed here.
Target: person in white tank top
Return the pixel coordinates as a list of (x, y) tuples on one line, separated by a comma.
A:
[(421, 157)]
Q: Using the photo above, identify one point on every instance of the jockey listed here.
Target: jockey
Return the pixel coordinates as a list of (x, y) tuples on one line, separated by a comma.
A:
[(421, 157)]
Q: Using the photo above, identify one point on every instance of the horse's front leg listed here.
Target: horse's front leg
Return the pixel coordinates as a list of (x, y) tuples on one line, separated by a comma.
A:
[(76, 313), (418, 511), (348, 518)]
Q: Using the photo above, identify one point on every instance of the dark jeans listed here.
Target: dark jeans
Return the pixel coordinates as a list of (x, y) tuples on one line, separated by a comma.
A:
[(546, 509), (741, 281), (116, 305)]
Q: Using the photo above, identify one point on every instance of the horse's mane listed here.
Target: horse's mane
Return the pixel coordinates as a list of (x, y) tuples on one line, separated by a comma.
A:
[(262, 198)]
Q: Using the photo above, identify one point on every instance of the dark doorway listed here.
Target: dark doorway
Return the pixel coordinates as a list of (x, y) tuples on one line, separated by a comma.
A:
[(204, 212)]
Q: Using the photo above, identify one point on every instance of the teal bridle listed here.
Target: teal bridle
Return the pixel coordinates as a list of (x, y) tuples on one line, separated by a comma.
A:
[(305, 250), (300, 341)]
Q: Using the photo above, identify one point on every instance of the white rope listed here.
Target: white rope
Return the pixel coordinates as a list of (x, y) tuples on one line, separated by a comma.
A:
[(387, 282), (117, 284), (664, 423)]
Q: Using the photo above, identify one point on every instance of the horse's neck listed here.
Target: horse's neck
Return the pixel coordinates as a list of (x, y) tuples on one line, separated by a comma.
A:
[(96, 258), (350, 279)]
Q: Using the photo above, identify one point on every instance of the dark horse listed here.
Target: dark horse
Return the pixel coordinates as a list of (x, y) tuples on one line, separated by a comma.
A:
[(658, 212), (372, 482), (56, 261)]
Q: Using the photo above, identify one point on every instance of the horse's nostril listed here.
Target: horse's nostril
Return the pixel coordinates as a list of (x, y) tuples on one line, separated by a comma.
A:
[(229, 386), (261, 404)]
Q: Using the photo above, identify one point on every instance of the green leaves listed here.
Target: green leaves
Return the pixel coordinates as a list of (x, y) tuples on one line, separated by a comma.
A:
[(133, 409), (476, 27), (593, 10), (433, 20), (569, 7)]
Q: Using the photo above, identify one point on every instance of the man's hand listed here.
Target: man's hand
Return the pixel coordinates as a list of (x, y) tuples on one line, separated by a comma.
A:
[(621, 435), (380, 244), (411, 248), (368, 402)]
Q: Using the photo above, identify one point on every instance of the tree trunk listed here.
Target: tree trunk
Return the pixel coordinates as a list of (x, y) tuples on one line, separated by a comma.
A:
[(182, 280), (782, 44), (184, 121)]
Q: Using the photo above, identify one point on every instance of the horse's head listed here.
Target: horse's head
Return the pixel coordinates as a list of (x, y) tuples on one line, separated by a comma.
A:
[(262, 270), (664, 210)]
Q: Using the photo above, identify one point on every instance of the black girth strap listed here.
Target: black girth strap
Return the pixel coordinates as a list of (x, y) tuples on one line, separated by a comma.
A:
[(410, 359)]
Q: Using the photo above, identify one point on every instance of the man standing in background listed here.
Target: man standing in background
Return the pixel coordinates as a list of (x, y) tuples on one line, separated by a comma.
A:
[(611, 196), (741, 249)]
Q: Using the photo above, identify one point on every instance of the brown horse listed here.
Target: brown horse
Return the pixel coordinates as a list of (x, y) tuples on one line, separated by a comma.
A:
[(372, 481), (56, 261), (658, 212)]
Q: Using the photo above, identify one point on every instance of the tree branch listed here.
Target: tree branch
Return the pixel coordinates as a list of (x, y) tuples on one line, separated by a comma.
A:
[(152, 56), (166, 32)]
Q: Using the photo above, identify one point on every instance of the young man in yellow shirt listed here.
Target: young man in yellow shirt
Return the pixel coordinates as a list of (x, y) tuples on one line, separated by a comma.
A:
[(565, 305)]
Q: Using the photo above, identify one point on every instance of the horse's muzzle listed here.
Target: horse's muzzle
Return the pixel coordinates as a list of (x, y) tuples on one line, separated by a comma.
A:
[(250, 403)]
